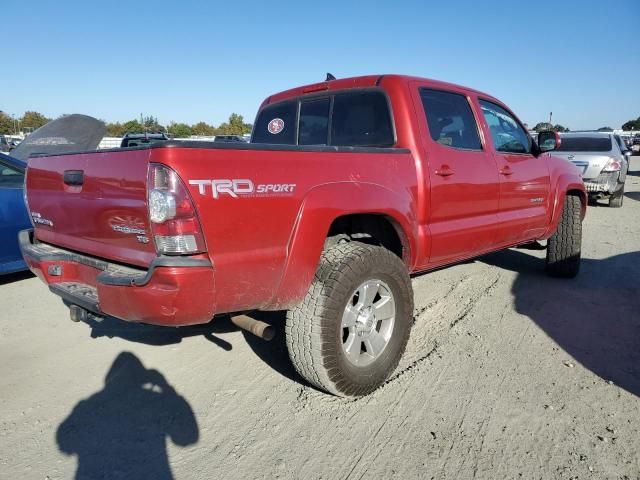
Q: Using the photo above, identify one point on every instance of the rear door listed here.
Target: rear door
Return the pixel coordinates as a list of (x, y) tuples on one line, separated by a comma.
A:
[(524, 178), (464, 183)]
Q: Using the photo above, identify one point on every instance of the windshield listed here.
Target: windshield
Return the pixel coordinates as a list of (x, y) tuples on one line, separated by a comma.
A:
[(585, 144)]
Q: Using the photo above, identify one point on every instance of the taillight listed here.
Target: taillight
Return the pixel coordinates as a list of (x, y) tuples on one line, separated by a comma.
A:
[(173, 219), (612, 165)]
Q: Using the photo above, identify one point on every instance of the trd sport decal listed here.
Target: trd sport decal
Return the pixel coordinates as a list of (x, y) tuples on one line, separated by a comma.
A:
[(236, 188)]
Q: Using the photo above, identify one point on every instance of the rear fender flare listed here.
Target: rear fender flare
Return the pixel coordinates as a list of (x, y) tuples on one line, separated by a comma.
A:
[(320, 207)]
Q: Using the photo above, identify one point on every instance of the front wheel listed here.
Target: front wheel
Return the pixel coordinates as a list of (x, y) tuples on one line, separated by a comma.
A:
[(349, 332), (563, 247)]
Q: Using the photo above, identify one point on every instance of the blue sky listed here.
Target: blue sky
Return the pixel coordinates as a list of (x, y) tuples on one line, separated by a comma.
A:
[(191, 61)]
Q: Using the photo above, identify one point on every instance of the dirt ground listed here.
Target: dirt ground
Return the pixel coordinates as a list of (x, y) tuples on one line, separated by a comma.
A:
[(508, 374)]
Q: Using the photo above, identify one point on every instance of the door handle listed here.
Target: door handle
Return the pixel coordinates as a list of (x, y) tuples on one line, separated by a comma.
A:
[(73, 177), (444, 171), (506, 171)]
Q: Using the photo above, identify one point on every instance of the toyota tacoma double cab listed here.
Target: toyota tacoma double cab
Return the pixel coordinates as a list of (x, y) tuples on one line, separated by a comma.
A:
[(347, 187)]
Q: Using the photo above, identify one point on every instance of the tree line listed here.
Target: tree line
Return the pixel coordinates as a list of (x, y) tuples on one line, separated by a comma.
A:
[(234, 126), (29, 121), (546, 126), (631, 125), (34, 120)]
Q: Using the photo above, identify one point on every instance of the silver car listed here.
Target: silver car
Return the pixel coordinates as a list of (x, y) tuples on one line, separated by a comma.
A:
[(600, 160)]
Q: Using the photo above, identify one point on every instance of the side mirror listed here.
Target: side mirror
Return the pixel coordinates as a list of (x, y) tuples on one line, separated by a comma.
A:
[(627, 153), (548, 141)]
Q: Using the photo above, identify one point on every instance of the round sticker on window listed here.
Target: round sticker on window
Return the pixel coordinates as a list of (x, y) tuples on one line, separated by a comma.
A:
[(275, 126)]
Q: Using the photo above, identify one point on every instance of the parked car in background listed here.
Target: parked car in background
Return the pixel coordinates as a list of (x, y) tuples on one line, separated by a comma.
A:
[(13, 213), (230, 139), (142, 139), (635, 145), (601, 162), (6, 144)]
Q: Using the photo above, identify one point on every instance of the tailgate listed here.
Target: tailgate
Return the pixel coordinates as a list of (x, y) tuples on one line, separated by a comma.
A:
[(94, 203)]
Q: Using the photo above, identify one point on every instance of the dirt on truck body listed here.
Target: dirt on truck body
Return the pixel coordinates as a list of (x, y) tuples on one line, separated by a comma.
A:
[(347, 187)]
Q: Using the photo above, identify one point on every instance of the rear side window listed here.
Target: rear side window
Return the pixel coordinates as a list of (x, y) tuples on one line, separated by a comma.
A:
[(507, 134), (314, 122), (276, 124), (450, 119), (361, 119), (585, 144), (10, 177)]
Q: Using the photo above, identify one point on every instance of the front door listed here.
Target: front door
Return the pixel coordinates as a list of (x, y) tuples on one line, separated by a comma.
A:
[(464, 183), (524, 178)]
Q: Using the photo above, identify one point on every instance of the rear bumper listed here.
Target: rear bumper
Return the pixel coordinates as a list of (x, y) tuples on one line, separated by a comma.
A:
[(174, 291)]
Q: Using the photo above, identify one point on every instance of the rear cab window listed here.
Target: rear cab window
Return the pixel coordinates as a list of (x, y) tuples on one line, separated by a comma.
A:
[(276, 124), (352, 118), (361, 120), (314, 122)]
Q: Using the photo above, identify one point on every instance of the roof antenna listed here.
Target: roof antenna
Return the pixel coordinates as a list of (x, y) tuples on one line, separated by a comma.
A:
[(329, 77)]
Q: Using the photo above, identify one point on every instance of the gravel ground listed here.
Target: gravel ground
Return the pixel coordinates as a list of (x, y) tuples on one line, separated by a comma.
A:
[(508, 374)]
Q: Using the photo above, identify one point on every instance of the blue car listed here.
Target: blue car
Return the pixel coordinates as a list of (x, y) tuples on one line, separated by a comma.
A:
[(13, 213)]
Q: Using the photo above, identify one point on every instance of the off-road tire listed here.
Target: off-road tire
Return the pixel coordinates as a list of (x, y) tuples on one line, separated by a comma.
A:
[(563, 247), (314, 327), (615, 200)]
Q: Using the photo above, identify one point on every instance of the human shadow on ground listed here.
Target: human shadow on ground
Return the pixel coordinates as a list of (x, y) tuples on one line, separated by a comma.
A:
[(595, 317), (120, 432)]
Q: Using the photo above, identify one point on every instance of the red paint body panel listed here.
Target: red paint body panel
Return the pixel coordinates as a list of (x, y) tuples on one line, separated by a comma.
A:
[(265, 248), (113, 193)]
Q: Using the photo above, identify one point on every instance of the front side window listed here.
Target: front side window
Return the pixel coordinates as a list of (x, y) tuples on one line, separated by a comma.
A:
[(507, 134), (314, 122), (450, 119), (10, 177), (361, 119), (276, 124)]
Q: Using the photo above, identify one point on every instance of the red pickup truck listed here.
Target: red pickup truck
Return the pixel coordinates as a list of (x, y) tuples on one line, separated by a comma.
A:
[(347, 187)]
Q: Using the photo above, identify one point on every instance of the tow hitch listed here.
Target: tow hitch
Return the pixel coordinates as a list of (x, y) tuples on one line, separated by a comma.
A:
[(79, 314)]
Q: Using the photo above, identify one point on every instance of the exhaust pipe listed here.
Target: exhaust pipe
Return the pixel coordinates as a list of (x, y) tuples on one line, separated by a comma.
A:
[(256, 327)]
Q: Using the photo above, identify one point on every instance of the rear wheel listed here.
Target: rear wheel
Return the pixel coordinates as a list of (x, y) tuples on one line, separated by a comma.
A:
[(563, 247), (349, 332), (615, 200)]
